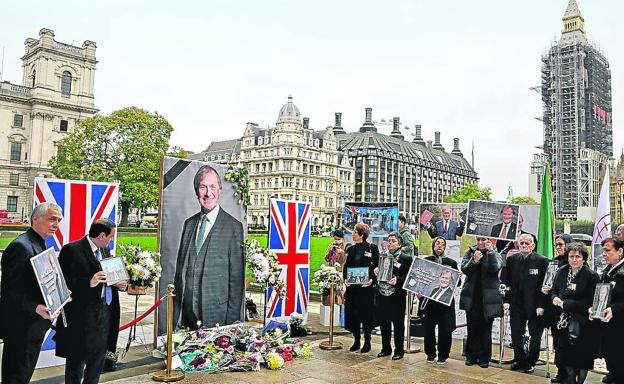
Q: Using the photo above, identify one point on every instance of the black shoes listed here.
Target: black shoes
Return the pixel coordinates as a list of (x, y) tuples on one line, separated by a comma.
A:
[(355, 346), (366, 347), (383, 354), (397, 356)]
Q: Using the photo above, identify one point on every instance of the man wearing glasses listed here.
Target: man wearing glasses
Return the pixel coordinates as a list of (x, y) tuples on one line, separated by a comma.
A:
[(524, 275)]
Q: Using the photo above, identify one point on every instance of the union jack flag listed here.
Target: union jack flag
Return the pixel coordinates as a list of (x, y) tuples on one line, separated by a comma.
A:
[(289, 238), (81, 202)]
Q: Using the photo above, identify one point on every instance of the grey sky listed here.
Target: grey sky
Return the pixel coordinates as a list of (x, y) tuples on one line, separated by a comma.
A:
[(461, 67)]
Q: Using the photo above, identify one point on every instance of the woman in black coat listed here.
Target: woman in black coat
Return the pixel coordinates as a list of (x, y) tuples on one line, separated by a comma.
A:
[(611, 329), (437, 314), (359, 299), (572, 295), (481, 299), (390, 299)]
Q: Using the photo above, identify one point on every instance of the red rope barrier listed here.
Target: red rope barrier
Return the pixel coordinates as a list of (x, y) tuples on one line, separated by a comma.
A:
[(143, 316)]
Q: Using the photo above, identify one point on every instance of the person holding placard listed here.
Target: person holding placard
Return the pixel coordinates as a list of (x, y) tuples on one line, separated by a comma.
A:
[(24, 319), (612, 336), (437, 314), (572, 294), (82, 342), (359, 299), (390, 298), (481, 299)]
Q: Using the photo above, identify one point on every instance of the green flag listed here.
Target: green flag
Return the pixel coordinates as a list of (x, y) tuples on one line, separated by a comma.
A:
[(546, 231)]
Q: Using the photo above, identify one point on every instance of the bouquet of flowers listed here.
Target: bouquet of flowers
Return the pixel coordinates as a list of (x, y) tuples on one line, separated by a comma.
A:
[(143, 266), (264, 267)]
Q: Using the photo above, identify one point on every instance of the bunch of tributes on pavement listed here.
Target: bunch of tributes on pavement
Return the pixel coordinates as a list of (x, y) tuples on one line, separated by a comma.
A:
[(238, 348)]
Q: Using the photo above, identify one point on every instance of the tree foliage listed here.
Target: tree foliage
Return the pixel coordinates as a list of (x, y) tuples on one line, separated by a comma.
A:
[(470, 191), (126, 147), (523, 200)]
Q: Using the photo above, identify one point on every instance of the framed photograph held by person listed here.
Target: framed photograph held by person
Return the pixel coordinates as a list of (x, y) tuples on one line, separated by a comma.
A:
[(51, 280), (357, 276), (115, 269), (386, 264), (602, 298)]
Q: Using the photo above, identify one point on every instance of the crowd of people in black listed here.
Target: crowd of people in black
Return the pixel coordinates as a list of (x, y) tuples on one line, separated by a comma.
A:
[(494, 285)]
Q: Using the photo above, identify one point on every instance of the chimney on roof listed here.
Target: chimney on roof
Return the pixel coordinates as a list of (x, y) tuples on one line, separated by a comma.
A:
[(396, 125), (306, 123), (418, 137), (437, 144), (368, 122), (456, 150), (338, 124)]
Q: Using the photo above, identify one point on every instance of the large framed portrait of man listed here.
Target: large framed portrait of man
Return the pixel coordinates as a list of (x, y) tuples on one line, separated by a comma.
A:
[(202, 230)]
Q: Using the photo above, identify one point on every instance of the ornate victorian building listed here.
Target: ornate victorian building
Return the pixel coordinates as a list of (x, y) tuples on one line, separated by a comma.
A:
[(56, 92), (289, 161)]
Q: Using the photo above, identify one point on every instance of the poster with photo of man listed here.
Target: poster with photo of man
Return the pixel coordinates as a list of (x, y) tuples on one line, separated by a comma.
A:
[(202, 229), (51, 280), (446, 220), (492, 219), (434, 281)]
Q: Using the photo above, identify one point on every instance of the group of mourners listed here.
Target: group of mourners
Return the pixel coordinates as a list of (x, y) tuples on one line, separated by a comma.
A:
[(493, 285)]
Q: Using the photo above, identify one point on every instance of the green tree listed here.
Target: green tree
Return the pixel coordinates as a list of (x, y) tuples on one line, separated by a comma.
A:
[(470, 191), (523, 200), (126, 147)]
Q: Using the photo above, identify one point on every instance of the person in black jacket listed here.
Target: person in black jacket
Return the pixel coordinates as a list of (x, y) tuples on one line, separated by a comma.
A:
[(612, 337), (481, 299), (391, 298), (572, 294), (437, 314), (551, 314), (83, 341), (24, 318), (524, 275), (359, 299)]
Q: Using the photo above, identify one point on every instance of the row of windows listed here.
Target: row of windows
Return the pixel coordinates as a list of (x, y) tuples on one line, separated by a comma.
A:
[(18, 122)]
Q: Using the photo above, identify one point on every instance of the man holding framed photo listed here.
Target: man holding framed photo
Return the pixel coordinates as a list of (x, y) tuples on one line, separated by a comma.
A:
[(24, 318), (83, 341)]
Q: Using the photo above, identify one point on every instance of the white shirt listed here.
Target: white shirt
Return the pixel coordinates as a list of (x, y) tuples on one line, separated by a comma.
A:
[(212, 217)]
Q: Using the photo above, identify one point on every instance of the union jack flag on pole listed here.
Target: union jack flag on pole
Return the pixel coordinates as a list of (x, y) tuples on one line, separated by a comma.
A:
[(81, 202), (289, 238)]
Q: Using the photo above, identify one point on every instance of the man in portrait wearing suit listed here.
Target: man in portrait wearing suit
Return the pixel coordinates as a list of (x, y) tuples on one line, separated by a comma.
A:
[(446, 228), (83, 341), (505, 229), (443, 292), (24, 318), (210, 268)]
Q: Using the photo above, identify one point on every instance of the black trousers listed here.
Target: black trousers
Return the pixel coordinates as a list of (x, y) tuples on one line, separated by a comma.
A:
[(519, 320), (479, 339), (19, 359), (446, 325), (86, 371), (391, 314)]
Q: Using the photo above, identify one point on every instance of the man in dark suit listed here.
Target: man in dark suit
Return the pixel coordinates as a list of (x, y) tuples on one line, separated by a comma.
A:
[(447, 228), (443, 292), (524, 275), (24, 319), (210, 269), (83, 341), (506, 229)]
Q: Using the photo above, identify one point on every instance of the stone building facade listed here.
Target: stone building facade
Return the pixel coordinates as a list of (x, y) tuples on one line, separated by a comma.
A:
[(55, 93)]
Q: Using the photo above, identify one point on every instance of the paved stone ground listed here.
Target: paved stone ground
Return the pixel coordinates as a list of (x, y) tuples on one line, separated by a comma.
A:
[(324, 367)]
